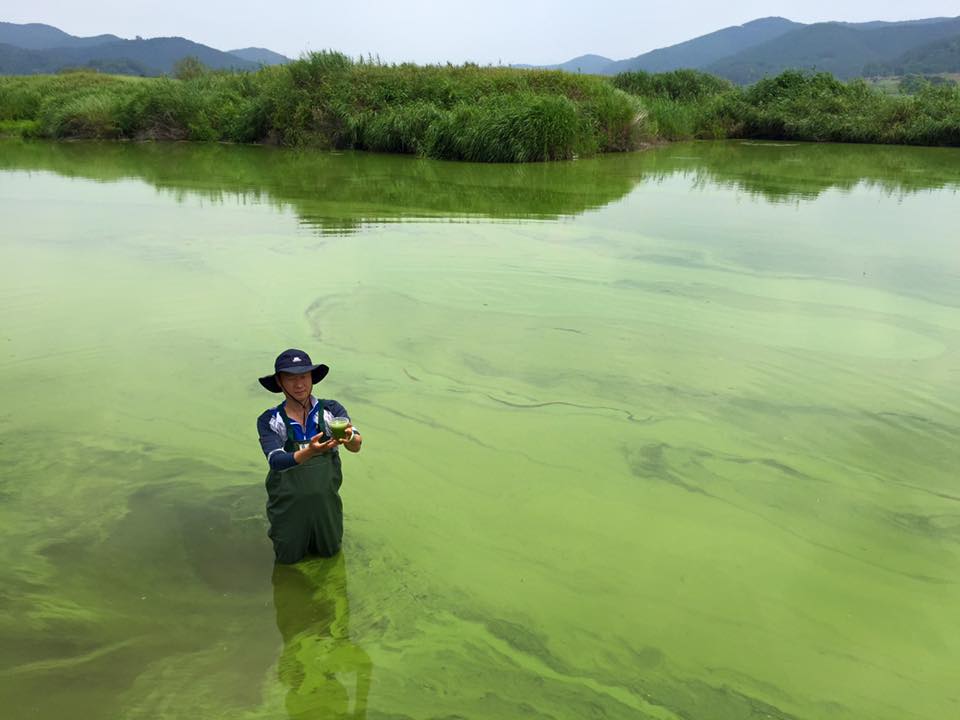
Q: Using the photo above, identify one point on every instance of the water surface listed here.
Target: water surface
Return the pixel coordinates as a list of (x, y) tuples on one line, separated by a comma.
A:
[(662, 435)]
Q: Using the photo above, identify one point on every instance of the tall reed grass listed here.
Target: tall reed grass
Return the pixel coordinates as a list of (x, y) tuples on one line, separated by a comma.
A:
[(795, 106), (469, 112), (327, 100)]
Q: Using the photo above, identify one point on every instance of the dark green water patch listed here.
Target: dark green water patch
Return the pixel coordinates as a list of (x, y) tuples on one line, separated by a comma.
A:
[(335, 192)]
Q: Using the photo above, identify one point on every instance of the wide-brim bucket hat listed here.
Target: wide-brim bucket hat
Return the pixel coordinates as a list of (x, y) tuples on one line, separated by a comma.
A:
[(295, 362)]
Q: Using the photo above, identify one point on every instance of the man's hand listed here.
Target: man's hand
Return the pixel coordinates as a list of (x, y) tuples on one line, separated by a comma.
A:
[(318, 445), (350, 439)]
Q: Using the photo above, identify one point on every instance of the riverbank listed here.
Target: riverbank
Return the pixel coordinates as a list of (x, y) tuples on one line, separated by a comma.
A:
[(467, 112)]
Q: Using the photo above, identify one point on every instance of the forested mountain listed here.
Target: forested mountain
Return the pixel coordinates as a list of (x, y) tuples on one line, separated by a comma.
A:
[(19, 61), (942, 56), (845, 50), (768, 46), (706, 49)]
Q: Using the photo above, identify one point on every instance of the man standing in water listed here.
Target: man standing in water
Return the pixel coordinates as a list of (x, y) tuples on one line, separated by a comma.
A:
[(301, 439)]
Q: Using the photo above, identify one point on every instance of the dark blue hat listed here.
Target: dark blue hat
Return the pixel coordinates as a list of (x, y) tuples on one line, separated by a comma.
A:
[(296, 362)]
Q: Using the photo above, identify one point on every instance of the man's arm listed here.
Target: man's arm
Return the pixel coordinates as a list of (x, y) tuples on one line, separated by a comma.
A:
[(355, 441), (272, 445)]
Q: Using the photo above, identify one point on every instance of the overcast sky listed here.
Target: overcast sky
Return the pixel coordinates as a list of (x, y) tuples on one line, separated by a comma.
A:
[(487, 31)]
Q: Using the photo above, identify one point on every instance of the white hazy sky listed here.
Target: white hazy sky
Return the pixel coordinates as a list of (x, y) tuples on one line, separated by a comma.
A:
[(492, 31)]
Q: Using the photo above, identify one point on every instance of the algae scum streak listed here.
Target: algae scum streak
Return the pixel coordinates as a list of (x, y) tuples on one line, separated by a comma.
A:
[(660, 435)]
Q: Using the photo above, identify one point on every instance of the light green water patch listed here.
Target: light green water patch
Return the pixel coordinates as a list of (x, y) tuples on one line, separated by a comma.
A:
[(671, 457)]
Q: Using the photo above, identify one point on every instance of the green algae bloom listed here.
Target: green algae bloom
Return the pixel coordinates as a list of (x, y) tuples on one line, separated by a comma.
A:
[(761, 521)]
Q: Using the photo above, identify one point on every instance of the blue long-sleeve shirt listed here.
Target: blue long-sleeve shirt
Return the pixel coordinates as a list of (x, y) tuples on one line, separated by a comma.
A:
[(273, 431)]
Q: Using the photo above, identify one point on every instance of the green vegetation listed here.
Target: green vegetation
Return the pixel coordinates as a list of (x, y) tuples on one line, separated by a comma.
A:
[(680, 85), (471, 113), (328, 101), (912, 84), (189, 68), (796, 106)]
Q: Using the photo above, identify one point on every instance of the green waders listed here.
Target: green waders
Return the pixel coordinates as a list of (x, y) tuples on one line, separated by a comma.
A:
[(304, 506)]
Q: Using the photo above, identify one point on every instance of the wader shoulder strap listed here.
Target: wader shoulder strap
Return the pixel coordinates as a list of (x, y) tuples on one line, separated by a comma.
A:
[(292, 443)]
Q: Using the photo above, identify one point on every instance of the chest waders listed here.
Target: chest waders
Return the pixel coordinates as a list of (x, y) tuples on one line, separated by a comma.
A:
[(303, 504)]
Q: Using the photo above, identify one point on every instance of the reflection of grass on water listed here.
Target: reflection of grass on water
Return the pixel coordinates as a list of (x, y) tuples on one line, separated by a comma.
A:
[(339, 192), (780, 172)]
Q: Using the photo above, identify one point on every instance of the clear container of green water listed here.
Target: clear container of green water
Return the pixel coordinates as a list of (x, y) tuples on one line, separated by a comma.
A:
[(338, 426)]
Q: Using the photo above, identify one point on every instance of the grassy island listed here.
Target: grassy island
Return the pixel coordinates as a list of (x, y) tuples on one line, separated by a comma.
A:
[(328, 101), (468, 112)]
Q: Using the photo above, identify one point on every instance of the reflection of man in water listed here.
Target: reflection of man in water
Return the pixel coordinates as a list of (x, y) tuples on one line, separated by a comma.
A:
[(313, 616)]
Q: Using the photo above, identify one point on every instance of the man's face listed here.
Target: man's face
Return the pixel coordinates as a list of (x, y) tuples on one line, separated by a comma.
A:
[(297, 385)]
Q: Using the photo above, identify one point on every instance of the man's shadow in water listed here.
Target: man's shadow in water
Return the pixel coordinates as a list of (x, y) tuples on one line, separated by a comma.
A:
[(313, 616)]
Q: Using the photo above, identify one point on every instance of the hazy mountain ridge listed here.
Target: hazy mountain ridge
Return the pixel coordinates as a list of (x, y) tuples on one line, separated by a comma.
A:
[(37, 36), (37, 48), (590, 64), (155, 56), (259, 55)]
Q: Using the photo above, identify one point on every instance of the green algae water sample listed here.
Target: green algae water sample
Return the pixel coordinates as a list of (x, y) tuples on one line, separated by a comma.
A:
[(338, 426), (663, 435)]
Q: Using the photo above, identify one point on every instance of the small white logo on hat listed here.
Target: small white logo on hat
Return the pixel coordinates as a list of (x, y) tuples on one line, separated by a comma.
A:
[(297, 359)]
